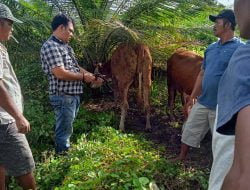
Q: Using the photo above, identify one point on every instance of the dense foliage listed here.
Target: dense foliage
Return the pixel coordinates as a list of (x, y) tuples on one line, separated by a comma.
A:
[(103, 158)]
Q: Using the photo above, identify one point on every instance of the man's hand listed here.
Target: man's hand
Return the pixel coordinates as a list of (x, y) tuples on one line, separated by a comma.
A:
[(97, 83), (190, 102), (23, 125), (89, 77), (188, 106)]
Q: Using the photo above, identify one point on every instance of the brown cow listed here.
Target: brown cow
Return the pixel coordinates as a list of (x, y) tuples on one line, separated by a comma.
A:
[(130, 63), (183, 68)]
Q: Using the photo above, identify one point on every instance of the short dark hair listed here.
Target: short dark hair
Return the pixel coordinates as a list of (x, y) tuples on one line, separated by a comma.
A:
[(61, 19)]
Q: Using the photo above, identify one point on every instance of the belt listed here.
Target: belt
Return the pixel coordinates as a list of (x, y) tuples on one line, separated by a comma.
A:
[(64, 93)]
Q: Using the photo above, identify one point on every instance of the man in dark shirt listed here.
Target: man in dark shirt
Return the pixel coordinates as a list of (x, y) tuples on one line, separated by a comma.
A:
[(65, 77)]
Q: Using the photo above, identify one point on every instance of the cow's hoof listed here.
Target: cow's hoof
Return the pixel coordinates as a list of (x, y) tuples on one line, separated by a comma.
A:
[(171, 117), (148, 130), (122, 130)]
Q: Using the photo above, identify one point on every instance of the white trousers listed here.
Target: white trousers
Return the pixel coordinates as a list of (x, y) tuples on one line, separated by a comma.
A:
[(223, 153)]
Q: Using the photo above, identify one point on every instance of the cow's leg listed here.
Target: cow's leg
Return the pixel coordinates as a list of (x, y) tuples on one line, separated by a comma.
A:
[(139, 92), (115, 89), (182, 99), (186, 108), (146, 97), (146, 92), (123, 91), (2, 178), (171, 100)]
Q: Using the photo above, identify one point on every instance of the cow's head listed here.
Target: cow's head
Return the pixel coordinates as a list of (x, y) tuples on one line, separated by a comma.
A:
[(103, 70)]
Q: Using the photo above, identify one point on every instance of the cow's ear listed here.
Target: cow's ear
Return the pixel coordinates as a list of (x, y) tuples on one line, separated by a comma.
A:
[(100, 65)]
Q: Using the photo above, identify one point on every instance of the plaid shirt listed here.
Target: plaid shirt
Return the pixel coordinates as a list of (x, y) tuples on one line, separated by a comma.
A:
[(55, 53)]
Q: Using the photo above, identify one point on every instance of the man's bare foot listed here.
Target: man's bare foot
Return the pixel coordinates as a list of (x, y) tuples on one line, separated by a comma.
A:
[(178, 159)]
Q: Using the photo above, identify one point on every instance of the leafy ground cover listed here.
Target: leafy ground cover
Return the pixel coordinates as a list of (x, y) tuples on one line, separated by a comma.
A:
[(101, 156), (104, 158)]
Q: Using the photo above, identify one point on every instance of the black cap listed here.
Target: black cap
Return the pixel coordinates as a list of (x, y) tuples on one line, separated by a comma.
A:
[(226, 13)]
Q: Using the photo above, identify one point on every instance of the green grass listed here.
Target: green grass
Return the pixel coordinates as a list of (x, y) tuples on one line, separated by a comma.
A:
[(104, 158)]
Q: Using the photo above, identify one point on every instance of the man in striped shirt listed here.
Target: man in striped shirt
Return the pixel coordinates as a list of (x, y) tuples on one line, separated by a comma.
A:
[(15, 155)]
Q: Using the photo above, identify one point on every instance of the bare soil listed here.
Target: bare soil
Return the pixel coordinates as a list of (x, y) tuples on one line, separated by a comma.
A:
[(164, 132)]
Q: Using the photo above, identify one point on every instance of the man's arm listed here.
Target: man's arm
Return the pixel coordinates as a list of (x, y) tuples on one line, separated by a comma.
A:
[(196, 91), (8, 105), (63, 74), (198, 85), (239, 174), (90, 77)]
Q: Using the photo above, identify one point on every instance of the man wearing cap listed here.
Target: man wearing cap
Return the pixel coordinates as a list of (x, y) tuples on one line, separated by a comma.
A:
[(15, 155), (216, 58)]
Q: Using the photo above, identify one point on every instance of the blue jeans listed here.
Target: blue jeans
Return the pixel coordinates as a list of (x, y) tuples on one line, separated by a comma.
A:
[(65, 108)]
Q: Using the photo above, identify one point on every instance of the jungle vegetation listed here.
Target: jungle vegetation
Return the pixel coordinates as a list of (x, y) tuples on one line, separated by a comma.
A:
[(102, 157)]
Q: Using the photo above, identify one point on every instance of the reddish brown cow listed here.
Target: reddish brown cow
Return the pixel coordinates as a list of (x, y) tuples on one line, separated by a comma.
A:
[(131, 63), (183, 68)]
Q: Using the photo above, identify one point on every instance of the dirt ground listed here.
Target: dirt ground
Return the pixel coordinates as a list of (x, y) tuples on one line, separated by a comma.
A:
[(164, 131)]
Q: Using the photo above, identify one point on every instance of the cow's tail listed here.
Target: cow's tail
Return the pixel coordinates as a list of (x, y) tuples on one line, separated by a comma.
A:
[(140, 84), (140, 51), (139, 99)]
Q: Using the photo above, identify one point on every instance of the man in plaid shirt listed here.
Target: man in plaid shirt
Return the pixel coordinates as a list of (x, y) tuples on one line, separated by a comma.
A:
[(65, 77)]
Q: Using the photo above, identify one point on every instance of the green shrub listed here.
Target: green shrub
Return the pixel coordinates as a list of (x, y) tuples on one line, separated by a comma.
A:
[(104, 158)]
